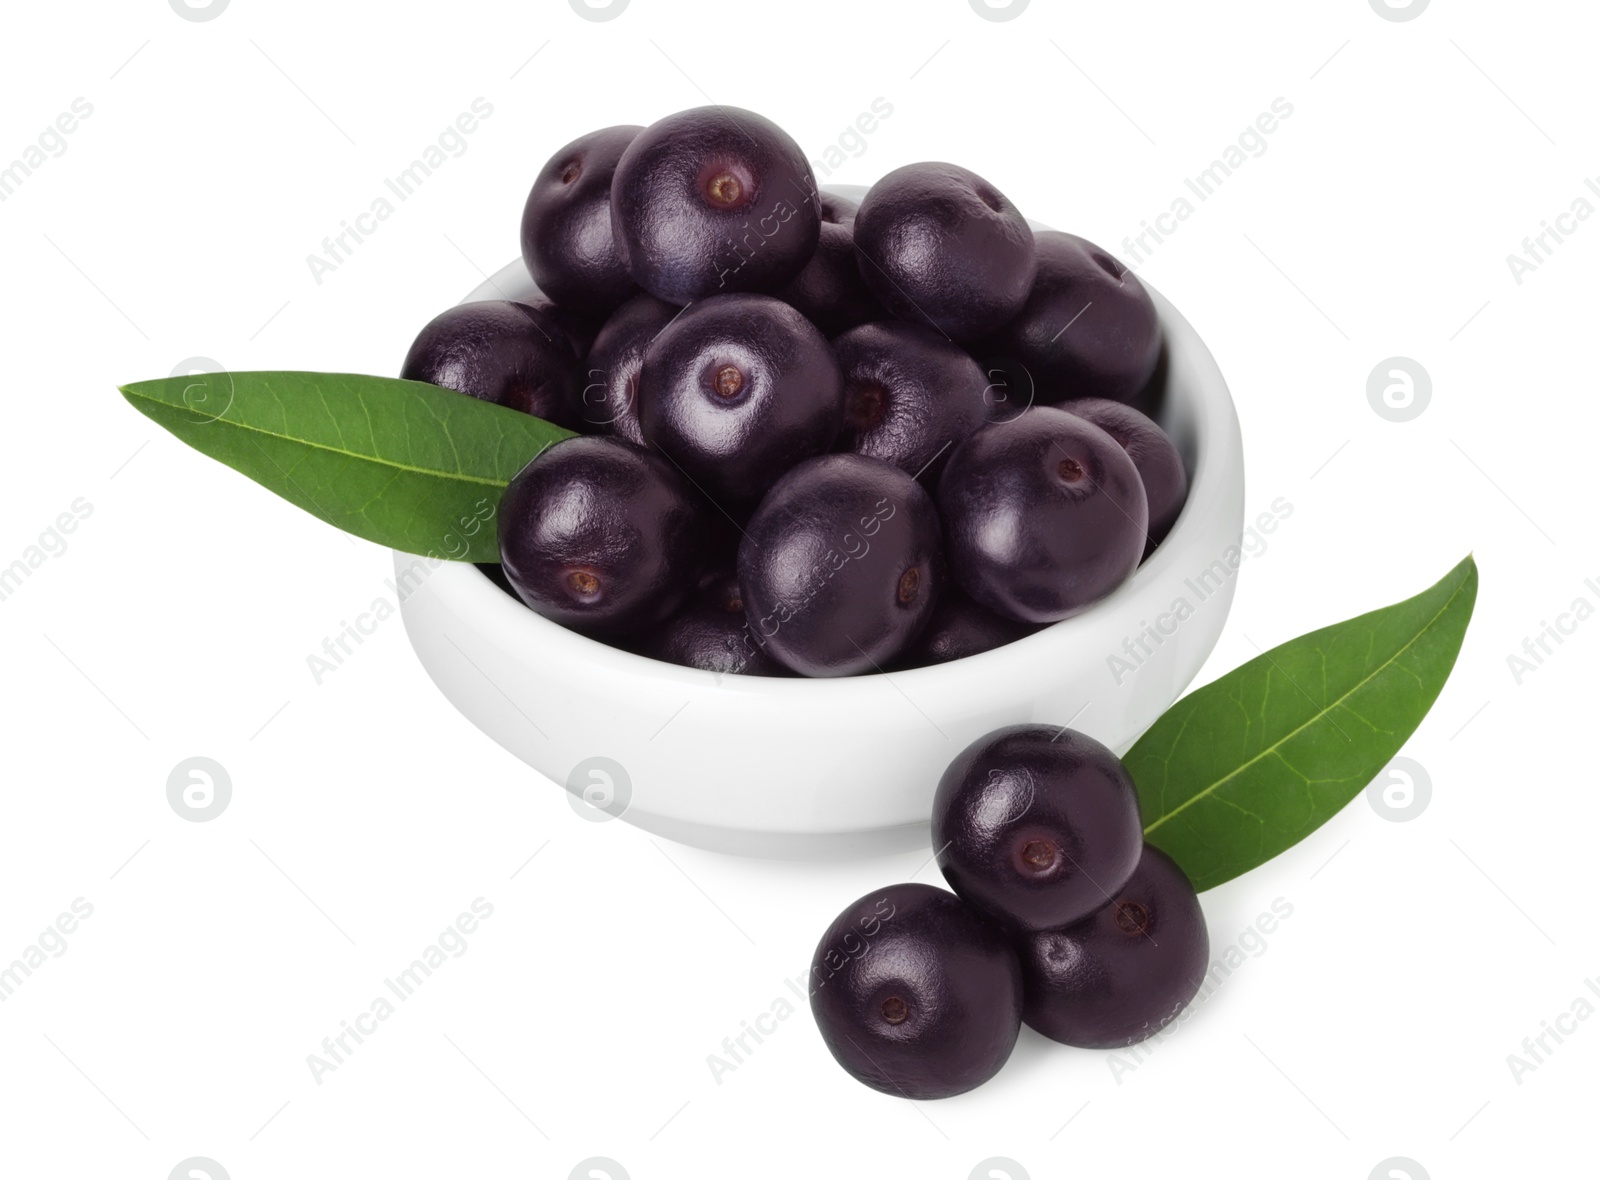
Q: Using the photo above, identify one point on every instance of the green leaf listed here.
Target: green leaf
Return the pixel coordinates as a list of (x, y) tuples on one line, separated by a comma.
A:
[(403, 463), (1252, 763)]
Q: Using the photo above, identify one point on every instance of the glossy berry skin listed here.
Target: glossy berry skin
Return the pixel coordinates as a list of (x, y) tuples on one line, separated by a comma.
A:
[(499, 351), (714, 200), (600, 536), (567, 241), (1037, 826), (829, 291), (711, 634), (841, 565), (1125, 972), (736, 390), (941, 246), (960, 628), (914, 994), (1089, 327), (608, 398), (1044, 515), (909, 396), (1166, 483)]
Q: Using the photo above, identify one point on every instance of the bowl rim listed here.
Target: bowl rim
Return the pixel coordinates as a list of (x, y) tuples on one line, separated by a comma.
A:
[(1216, 443)]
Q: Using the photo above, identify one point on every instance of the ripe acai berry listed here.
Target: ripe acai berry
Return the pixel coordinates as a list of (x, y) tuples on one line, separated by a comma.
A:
[(600, 536), (914, 994), (710, 633), (960, 628), (1088, 329), (578, 330), (499, 351), (1036, 826), (1126, 971), (1161, 470), (1044, 514), (714, 200), (567, 243), (608, 397), (829, 291), (909, 396), (737, 390), (841, 565), (941, 246)]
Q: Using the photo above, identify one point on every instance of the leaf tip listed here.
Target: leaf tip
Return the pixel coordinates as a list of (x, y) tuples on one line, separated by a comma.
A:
[(135, 389)]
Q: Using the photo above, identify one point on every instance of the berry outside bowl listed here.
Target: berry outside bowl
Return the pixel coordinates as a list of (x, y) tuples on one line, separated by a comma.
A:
[(835, 768)]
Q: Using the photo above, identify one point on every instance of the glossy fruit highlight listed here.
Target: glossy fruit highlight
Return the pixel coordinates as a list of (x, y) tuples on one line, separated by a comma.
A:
[(737, 390), (608, 400), (499, 351), (600, 536), (714, 200), (1036, 826), (567, 240), (909, 396), (841, 565), (1044, 515), (914, 994), (941, 246)]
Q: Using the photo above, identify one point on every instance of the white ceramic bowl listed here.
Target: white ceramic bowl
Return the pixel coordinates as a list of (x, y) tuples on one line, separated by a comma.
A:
[(839, 767)]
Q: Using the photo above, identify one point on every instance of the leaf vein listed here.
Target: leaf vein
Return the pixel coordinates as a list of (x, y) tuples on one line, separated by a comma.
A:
[(377, 460), (1210, 789)]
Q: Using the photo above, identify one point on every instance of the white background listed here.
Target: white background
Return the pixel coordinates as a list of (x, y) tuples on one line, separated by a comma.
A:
[(366, 813)]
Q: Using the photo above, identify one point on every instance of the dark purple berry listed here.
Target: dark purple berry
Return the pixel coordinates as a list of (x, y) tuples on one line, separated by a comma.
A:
[(711, 634), (941, 246), (837, 210), (829, 291), (914, 994), (1151, 400), (961, 628), (1125, 972), (1089, 328), (1166, 483), (600, 536), (909, 396), (1036, 826), (567, 243), (578, 331), (714, 200), (608, 400), (737, 390), (1044, 514), (841, 565), (500, 352)]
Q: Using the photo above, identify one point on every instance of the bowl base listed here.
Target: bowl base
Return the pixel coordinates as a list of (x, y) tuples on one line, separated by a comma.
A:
[(808, 846)]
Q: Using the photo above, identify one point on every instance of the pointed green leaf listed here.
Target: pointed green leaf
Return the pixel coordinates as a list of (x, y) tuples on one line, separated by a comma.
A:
[(402, 463), (1255, 761)]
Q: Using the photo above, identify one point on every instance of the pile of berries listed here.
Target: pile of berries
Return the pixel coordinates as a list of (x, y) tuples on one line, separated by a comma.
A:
[(1062, 918), (814, 438)]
